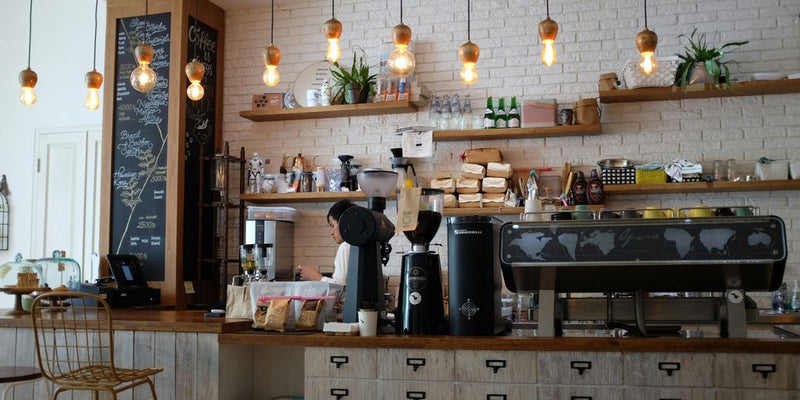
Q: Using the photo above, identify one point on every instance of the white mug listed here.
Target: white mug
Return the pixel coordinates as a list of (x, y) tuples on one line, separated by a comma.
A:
[(312, 98), (367, 322)]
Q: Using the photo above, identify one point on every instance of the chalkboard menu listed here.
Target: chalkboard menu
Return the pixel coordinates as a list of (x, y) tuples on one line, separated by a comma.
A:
[(199, 142), (139, 159)]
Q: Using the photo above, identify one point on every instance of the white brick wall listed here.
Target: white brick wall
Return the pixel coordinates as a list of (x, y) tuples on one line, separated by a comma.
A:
[(595, 37)]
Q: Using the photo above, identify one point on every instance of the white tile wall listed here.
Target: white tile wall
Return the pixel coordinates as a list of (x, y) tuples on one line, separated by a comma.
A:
[(596, 36)]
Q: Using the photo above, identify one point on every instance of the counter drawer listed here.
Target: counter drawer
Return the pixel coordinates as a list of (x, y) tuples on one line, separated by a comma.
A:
[(340, 389), (579, 392), (416, 364), (753, 394), (495, 366), (495, 391), (659, 393), (336, 362), (580, 368), (415, 390), (764, 371), (669, 369)]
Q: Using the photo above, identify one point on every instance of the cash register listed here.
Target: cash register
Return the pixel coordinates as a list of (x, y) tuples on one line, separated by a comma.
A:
[(131, 288)]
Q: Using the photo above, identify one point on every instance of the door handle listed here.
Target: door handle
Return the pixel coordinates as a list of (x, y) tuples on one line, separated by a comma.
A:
[(580, 398), (415, 395), (495, 364), (669, 367), (339, 360), (339, 393), (415, 363), (764, 369), (580, 366), (496, 397)]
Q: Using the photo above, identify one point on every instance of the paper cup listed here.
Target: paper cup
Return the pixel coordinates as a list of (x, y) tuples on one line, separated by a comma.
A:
[(367, 322)]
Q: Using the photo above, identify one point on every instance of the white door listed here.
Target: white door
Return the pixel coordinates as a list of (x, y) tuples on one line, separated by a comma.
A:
[(66, 195)]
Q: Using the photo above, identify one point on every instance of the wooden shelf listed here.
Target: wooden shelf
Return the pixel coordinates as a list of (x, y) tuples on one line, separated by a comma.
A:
[(755, 88), (459, 212), (517, 133), (340, 110), (304, 197), (703, 187)]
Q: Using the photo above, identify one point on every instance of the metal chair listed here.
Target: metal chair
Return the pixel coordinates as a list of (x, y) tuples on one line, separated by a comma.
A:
[(75, 345)]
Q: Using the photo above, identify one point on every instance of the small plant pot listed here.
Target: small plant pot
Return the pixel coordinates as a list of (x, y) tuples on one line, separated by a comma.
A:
[(700, 75), (352, 93)]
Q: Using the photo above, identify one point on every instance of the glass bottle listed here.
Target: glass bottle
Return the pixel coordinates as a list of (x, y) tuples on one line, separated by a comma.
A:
[(513, 114), (594, 191), (500, 117), (381, 83), (488, 114), (466, 114), (795, 302), (445, 110), (532, 204), (579, 189), (455, 112), (434, 114)]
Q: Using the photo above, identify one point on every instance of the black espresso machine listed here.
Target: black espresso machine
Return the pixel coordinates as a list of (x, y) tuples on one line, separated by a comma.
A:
[(727, 255)]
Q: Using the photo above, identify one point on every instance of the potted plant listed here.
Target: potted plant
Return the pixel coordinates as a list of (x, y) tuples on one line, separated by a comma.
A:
[(352, 85), (702, 63)]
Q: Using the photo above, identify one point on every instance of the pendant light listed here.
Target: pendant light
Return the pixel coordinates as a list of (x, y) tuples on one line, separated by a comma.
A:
[(195, 69), (646, 42), (93, 78), (401, 62), (468, 53), (333, 31), (271, 55), (143, 78), (28, 78), (548, 29)]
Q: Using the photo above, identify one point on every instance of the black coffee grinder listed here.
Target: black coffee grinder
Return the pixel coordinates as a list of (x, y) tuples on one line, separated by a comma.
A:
[(420, 304), (368, 231)]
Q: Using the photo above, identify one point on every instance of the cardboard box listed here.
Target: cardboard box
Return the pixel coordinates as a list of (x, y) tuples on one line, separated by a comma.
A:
[(267, 101), (536, 113)]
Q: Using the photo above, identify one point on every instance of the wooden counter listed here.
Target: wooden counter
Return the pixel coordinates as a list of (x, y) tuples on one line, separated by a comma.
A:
[(151, 320)]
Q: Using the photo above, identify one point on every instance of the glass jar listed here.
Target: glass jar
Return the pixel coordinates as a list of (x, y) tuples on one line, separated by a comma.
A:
[(247, 259), (730, 169), (720, 171)]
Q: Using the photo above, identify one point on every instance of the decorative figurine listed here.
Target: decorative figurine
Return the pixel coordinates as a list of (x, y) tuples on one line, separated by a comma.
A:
[(325, 93), (256, 170)]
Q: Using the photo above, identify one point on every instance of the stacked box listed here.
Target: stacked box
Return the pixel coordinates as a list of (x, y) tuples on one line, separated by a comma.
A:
[(618, 176)]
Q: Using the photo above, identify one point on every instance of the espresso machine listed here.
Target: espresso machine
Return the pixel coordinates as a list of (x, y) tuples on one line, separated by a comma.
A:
[(400, 165), (420, 304), (368, 231)]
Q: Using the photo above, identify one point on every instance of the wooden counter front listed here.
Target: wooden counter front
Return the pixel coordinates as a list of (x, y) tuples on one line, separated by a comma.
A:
[(671, 345), (151, 320)]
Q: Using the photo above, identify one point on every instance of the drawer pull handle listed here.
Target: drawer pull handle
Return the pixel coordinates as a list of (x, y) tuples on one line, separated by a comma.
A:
[(669, 367), (339, 393), (580, 366), (339, 360), (496, 397), (415, 363), (580, 398), (764, 369), (495, 364), (415, 395)]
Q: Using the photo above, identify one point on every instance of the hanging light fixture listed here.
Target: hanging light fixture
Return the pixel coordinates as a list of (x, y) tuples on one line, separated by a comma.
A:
[(646, 42), (333, 31), (271, 55), (401, 62), (143, 78), (28, 78), (195, 69), (93, 78), (548, 29), (468, 53)]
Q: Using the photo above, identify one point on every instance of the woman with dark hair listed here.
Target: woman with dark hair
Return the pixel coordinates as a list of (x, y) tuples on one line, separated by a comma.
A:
[(309, 273)]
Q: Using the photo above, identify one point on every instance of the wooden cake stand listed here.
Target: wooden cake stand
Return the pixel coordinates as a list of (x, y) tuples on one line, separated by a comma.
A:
[(18, 292)]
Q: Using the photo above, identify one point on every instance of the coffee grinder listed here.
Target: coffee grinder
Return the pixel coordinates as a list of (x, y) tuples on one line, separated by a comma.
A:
[(368, 231), (420, 305)]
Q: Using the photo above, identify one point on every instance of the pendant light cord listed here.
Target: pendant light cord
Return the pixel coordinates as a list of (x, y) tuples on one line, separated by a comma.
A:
[(272, 23), (645, 14), (94, 56), (196, 17), (333, 15), (547, 6), (30, 32), (468, 20), (146, 15), (401, 12)]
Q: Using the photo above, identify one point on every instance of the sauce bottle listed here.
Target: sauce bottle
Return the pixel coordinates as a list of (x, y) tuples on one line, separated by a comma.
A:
[(579, 189), (594, 193)]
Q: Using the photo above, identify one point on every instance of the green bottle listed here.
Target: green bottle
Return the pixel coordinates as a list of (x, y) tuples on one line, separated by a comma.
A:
[(488, 114), (500, 117), (513, 114)]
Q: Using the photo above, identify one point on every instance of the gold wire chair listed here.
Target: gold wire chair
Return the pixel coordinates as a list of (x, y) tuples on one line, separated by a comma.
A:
[(75, 345)]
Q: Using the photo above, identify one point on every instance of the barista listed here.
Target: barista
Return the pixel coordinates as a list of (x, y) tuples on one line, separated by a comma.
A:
[(309, 273)]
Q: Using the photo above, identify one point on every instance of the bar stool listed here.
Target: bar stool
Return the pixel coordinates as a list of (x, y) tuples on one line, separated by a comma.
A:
[(14, 376)]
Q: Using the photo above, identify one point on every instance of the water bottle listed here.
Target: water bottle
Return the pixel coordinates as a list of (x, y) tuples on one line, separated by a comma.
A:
[(445, 111), (795, 303), (455, 112), (434, 115), (532, 204)]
